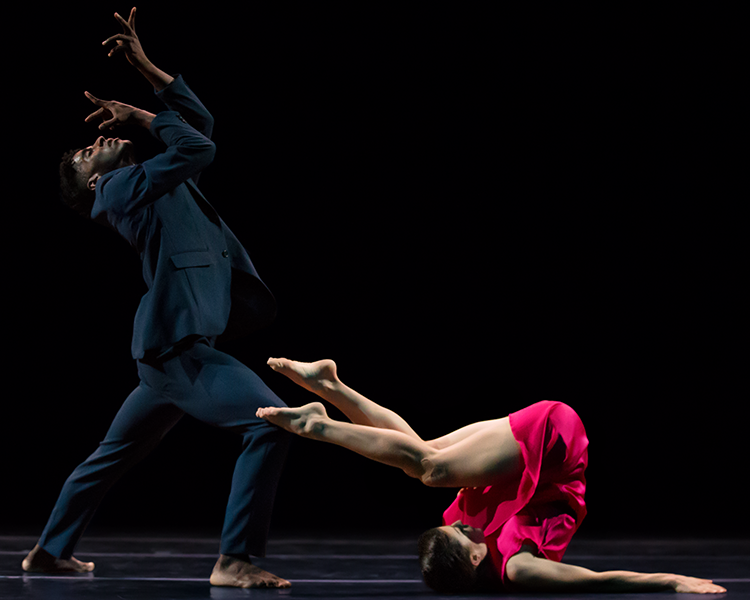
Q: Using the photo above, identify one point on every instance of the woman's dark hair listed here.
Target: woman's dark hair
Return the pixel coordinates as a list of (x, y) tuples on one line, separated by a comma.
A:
[(446, 564), (73, 191)]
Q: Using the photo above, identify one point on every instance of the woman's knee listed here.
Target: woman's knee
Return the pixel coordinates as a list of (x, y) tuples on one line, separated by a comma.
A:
[(435, 472)]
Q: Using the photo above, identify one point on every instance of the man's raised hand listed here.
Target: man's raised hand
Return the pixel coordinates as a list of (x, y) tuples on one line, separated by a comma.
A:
[(127, 42), (114, 113)]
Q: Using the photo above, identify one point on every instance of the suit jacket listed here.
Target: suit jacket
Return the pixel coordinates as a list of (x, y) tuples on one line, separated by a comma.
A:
[(200, 279)]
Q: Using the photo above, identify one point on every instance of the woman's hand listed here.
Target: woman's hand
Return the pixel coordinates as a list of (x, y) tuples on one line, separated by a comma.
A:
[(692, 585)]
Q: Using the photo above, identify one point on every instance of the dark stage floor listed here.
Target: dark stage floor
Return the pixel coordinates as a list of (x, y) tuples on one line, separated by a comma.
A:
[(332, 567)]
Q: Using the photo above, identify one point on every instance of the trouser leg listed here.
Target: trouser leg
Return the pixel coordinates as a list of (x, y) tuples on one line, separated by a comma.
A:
[(254, 483), (140, 424), (219, 390)]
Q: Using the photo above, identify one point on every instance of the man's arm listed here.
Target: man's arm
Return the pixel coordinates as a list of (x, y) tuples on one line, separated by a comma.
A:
[(128, 42), (114, 113), (172, 91), (130, 189), (530, 573)]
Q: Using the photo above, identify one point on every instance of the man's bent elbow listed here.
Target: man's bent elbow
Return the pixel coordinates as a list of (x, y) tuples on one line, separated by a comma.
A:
[(209, 151), (202, 155)]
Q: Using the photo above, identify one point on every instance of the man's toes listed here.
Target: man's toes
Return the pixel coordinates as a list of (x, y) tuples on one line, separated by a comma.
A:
[(88, 567)]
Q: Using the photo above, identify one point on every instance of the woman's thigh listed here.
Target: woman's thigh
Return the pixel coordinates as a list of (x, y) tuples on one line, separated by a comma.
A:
[(488, 456), (458, 435)]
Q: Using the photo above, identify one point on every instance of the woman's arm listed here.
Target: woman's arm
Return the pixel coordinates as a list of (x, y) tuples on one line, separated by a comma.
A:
[(530, 573)]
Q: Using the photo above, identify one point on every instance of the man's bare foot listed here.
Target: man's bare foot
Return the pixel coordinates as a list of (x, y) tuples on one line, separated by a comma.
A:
[(305, 420), (311, 376), (41, 561), (237, 572)]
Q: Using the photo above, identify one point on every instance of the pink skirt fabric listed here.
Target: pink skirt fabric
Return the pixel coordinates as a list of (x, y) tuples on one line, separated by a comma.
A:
[(546, 506)]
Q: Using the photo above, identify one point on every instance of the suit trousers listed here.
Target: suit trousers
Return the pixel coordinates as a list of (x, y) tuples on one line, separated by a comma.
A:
[(214, 388)]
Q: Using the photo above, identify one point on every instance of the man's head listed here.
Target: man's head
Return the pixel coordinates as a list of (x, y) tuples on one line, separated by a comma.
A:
[(81, 169)]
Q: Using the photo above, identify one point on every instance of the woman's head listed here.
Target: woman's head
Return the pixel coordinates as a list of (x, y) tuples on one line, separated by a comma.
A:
[(449, 557)]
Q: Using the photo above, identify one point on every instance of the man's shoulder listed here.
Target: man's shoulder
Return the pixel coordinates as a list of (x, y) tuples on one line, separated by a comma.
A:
[(116, 189)]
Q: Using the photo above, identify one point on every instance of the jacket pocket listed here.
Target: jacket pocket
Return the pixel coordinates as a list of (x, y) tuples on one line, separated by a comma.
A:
[(184, 260)]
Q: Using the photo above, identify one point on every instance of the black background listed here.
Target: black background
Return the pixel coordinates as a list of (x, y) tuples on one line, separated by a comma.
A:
[(468, 211)]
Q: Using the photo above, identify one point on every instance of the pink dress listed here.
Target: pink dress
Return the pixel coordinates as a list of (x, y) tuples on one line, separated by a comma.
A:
[(546, 506)]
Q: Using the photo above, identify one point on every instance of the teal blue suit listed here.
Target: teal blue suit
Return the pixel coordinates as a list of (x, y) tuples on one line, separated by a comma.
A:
[(202, 286), (192, 262)]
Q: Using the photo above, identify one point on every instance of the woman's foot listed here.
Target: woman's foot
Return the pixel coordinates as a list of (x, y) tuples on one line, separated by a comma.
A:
[(306, 421), (239, 572), (41, 561), (313, 376)]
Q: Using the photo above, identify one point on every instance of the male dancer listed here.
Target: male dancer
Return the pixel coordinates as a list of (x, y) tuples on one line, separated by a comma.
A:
[(197, 274)]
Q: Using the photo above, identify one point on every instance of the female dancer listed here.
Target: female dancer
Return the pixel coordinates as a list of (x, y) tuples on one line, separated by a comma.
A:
[(522, 486)]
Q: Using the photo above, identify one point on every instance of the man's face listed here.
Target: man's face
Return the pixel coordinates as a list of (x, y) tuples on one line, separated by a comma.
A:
[(103, 156)]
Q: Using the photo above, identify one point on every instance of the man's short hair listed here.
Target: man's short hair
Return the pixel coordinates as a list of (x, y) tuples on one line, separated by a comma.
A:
[(73, 189)]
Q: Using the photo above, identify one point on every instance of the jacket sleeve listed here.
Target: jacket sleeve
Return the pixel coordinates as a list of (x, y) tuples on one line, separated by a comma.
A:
[(177, 96), (128, 190)]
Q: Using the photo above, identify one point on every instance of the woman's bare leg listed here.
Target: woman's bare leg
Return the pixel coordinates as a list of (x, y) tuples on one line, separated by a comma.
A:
[(387, 446), (474, 455), (479, 455), (321, 378), (490, 455), (459, 435)]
